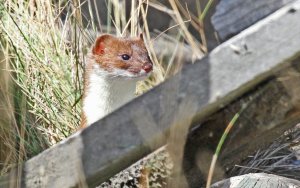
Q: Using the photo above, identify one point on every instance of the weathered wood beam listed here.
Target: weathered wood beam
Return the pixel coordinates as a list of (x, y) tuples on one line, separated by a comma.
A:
[(113, 143), (231, 17), (271, 108), (257, 180)]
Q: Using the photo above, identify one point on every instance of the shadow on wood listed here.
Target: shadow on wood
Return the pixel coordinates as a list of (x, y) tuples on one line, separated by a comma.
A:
[(123, 137)]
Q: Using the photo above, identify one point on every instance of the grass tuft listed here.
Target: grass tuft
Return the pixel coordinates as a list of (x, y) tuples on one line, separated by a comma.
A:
[(42, 52)]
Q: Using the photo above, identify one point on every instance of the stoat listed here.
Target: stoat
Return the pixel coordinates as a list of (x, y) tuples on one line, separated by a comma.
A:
[(113, 67)]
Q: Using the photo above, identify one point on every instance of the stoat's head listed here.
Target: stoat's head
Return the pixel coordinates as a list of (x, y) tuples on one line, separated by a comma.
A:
[(121, 57)]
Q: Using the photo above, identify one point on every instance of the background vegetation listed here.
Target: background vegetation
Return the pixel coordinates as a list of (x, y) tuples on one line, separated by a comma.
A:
[(43, 46)]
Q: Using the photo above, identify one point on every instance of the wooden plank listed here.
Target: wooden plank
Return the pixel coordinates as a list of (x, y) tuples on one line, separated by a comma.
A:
[(231, 17), (271, 108), (258, 180), (131, 132)]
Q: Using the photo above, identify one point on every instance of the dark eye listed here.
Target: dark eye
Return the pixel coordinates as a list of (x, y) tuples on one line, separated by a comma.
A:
[(125, 57)]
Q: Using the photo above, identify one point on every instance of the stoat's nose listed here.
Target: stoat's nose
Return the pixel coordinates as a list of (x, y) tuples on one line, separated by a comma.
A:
[(147, 67)]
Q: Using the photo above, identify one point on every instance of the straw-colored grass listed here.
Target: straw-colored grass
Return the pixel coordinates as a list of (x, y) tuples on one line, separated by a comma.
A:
[(46, 73), (41, 67)]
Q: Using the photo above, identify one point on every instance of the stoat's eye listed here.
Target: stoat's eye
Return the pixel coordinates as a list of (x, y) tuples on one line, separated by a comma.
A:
[(125, 57)]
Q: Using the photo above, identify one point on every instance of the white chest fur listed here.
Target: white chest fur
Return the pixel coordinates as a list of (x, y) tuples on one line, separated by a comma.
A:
[(104, 95)]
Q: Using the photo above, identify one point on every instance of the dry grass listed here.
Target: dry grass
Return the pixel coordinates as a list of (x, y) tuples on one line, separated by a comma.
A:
[(41, 102), (280, 158), (42, 67)]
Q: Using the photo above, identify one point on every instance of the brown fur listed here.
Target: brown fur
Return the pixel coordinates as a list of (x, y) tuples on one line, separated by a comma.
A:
[(107, 52)]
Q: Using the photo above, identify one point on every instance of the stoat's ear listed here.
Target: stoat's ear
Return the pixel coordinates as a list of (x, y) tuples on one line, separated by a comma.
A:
[(141, 36), (100, 44)]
